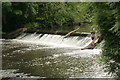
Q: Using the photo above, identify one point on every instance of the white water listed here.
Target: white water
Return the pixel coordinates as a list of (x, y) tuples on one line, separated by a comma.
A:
[(55, 40), (72, 42)]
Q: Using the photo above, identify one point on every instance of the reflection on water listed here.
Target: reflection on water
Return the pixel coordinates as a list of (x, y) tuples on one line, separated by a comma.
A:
[(51, 62)]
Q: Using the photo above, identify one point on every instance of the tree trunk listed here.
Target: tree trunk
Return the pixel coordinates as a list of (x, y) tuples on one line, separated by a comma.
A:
[(71, 32)]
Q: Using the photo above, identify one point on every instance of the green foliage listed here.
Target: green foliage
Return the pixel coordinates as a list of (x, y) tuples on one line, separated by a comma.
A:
[(32, 24), (107, 18), (47, 15), (15, 14)]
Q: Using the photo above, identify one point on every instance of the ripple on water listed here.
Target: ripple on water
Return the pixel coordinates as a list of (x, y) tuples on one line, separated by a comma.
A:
[(51, 61)]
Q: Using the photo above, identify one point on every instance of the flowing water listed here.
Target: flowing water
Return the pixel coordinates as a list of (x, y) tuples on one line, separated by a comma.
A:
[(50, 56)]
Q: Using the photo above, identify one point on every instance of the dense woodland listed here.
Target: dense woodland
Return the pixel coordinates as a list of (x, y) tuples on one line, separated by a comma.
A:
[(103, 17), (47, 15)]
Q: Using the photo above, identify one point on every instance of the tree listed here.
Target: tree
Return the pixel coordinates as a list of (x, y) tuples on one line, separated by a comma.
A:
[(15, 14), (47, 15), (108, 20)]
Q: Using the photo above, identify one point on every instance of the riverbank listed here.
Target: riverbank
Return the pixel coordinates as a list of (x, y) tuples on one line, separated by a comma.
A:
[(19, 31)]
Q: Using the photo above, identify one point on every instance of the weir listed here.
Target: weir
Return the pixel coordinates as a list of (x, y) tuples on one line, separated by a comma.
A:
[(52, 54), (56, 40)]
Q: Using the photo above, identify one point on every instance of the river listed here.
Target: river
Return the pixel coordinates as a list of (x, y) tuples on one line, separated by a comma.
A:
[(25, 57)]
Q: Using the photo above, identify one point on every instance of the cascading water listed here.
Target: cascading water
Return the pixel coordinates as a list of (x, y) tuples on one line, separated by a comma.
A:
[(77, 42), (51, 56), (57, 40)]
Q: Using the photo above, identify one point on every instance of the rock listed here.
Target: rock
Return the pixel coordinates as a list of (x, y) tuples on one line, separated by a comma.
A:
[(96, 39)]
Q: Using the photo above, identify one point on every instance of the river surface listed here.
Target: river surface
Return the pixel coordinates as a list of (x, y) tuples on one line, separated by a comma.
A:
[(26, 59)]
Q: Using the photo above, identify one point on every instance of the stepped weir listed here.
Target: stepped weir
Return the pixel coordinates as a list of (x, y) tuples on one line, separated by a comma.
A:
[(51, 56), (58, 40)]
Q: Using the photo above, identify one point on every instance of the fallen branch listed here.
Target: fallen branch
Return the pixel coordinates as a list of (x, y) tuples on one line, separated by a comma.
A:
[(71, 32)]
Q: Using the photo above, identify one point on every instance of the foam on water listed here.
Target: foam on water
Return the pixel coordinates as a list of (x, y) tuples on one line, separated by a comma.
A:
[(72, 51), (84, 53), (55, 40)]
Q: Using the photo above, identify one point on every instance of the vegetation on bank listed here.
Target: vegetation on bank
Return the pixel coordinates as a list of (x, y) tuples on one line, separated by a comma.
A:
[(47, 16), (104, 17), (108, 21)]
